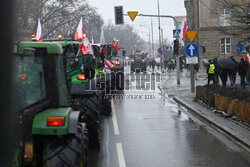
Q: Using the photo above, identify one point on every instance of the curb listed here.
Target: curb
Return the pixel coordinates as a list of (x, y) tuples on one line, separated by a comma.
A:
[(243, 141)]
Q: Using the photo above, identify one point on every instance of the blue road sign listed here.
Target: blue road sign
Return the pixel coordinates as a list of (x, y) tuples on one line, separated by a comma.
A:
[(176, 34), (239, 47), (191, 50), (169, 49), (159, 50)]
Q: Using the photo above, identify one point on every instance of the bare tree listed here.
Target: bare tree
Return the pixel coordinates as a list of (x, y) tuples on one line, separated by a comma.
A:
[(57, 17), (126, 35)]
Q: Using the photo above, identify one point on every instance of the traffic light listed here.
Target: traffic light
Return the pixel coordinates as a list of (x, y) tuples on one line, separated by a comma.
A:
[(176, 47), (119, 15)]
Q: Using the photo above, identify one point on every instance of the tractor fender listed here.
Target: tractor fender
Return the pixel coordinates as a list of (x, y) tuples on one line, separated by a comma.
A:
[(74, 123), (84, 89)]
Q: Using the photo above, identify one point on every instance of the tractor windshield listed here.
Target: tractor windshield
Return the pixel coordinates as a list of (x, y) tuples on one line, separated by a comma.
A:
[(28, 81)]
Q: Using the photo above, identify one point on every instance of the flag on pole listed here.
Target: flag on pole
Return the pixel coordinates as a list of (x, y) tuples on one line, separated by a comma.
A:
[(39, 31), (116, 47), (102, 38), (248, 58), (79, 32), (86, 47), (183, 30)]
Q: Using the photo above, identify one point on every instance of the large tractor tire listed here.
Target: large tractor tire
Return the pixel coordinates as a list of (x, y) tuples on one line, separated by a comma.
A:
[(91, 108), (106, 101), (120, 81), (67, 151)]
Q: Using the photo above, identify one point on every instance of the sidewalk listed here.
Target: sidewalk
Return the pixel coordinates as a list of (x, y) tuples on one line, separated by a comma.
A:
[(238, 131)]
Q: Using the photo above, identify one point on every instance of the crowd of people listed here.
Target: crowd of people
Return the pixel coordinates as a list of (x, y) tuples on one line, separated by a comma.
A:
[(216, 71)]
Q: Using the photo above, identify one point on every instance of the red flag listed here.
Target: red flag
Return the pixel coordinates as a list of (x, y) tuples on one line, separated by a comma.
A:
[(116, 47), (114, 43), (183, 30), (79, 32)]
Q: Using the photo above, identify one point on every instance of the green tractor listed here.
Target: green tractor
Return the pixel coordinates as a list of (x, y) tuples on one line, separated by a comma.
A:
[(138, 62), (88, 85), (115, 64), (51, 133)]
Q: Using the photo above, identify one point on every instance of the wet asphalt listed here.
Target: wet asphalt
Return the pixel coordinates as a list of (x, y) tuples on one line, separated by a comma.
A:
[(155, 131)]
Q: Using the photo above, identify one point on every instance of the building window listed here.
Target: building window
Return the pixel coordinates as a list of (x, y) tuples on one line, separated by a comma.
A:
[(248, 13), (225, 44), (224, 17)]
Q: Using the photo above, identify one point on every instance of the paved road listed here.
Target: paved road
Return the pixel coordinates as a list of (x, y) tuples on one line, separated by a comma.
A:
[(157, 132)]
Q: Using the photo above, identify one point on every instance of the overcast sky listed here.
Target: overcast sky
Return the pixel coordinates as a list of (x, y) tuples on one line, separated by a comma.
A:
[(142, 24)]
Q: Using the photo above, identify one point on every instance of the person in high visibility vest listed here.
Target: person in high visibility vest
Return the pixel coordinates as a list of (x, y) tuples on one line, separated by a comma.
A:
[(210, 72)]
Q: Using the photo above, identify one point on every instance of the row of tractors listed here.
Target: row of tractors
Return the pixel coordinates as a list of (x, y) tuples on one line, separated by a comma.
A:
[(60, 97)]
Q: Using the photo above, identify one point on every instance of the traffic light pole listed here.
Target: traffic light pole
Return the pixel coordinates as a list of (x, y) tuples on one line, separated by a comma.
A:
[(176, 26)]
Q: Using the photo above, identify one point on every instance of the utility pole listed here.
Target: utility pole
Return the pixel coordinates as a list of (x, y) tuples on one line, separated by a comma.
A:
[(163, 49), (152, 32), (159, 22), (176, 27), (149, 42)]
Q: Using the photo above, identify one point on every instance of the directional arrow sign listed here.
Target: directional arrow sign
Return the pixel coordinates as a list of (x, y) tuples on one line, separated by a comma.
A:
[(191, 35), (192, 50), (239, 47), (159, 50), (133, 15)]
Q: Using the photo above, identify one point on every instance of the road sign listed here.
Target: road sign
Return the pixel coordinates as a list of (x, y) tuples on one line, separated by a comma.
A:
[(159, 50), (191, 60), (191, 35), (191, 50), (132, 15), (169, 49), (239, 47), (176, 34)]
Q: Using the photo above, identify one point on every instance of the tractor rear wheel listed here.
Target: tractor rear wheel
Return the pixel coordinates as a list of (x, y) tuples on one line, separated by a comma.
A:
[(67, 151), (91, 116)]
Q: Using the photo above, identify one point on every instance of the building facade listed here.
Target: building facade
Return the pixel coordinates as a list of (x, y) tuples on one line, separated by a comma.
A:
[(221, 25)]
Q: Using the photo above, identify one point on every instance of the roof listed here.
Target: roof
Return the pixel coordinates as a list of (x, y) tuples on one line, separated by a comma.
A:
[(52, 48)]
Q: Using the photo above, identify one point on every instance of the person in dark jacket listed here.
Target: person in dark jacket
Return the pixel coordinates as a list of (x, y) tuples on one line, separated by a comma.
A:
[(232, 72), (223, 73), (216, 71), (153, 64), (243, 68)]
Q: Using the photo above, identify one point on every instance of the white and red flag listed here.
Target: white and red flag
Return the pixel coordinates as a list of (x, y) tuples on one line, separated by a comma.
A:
[(39, 31), (79, 32), (183, 30), (86, 47), (248, 58)]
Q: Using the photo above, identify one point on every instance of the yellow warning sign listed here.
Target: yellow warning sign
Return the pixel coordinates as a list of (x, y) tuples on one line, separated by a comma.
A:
[(191, 35), (133, 15)]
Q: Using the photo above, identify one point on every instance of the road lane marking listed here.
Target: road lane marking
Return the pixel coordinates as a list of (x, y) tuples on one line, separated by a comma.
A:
[(121, 158), (114, 119)]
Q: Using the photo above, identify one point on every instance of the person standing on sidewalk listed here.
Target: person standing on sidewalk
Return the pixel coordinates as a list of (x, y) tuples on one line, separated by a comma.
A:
[(243, 68), (210, 72), (216, 71), (153, 64), (232, 72)]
